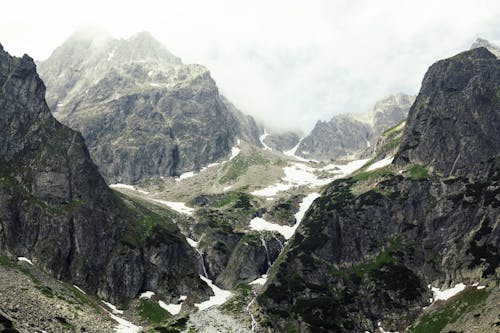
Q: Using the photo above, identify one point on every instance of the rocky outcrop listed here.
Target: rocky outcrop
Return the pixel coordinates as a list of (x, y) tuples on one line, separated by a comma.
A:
[(345, 135), (282, 141), (56, 209), (367, 250), (340, 137), (141, 111), (481, 42), (461, 132)]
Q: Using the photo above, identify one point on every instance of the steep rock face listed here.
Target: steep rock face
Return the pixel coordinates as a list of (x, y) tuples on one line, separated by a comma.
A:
[(340, 137), (345, 135), (367, 249), (454, 124), (141, 111), (56, 209)]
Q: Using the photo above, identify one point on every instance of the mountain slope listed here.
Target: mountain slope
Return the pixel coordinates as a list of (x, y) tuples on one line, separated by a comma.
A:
[(56, 209), (141, 111), (345, 135), (369, 249)]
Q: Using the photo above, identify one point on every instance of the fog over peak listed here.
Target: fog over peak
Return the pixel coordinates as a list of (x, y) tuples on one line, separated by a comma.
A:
[(288, 63)]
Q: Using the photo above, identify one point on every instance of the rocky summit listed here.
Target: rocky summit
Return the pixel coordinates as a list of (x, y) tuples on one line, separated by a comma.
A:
[(345, 135), (372, 250), (141, 111), (57, 212)]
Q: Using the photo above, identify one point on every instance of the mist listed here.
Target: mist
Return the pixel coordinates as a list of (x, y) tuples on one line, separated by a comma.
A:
[(287, 63)]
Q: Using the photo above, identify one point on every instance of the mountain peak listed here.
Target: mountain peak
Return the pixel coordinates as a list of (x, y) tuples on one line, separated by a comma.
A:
[(484, 43)]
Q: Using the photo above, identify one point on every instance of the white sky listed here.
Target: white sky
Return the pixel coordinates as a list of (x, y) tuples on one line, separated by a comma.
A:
[(288, 63)]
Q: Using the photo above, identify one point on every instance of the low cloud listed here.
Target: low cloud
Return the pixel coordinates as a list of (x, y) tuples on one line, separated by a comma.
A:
[(288, 63)]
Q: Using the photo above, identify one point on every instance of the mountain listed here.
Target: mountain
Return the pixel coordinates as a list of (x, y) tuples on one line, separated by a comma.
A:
[(141, 111), (371, 247), (56, 210), (345, 135), (282, 141), (480, 42)]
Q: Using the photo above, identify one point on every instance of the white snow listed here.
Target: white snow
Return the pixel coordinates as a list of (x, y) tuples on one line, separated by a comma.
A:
[(79, 289), (147, 294), (192, 242), (154, 84), (113, 308), (368, 144), (185, 175), (380, 164), (343, 170), (447, 293), (262, 138), (292, 152), (128, 187), (173, 309), (259, 224), (304, 206), (179, 207), (25, 260), (272, 190), (183, 298), (260, 281), (125, 326), (480, 287), (227, 188), (220, 295), (234, 152), (60, 104)]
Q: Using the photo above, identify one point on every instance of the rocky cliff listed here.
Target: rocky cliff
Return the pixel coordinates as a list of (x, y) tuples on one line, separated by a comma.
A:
[(345, 135), (369, 249), (141, 111), (56, 209)]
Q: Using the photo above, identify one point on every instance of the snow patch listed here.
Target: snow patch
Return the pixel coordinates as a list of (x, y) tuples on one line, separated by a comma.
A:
[(113, 308), (111, 54), (220, 295), (125, 326), (25, 260), (128, 187), (185, 175), (262, 138), (380, 164), (192, 242), (343, 170), (381, 329), (260, 281), (79, 289), (147, 294), (173, 309), (447, 293), (179, 207), (259, 224), (234, 152)]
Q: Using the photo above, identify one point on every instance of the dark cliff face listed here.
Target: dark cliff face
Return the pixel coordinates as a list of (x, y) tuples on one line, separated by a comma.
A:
[(454, 123), (141, 111), (345, 135), (56, 209), (367, 249)]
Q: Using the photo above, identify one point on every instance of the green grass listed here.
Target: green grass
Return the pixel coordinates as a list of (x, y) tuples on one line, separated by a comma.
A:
[(150, 311), (417, 172), (450, 312), (372, 175), (397, 128), (240, 164)]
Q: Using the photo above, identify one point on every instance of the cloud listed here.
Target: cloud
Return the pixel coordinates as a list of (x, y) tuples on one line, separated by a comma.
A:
[(288, 63)]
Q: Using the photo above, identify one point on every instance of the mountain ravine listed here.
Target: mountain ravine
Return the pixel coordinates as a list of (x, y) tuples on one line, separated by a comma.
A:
[(369, 249), (56, 210), (141, 111)]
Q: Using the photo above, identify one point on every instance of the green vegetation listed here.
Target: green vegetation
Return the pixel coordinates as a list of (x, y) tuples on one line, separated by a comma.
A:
[(175, 326), (372, 175), (240, 164), (237, 304), (397, 128), (417, 172), (150, 311), (449, 312)]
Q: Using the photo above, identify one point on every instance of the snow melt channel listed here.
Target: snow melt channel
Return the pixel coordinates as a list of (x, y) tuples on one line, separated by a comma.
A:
[(220, 295), (259, 224), (128, 187), (179, 207)]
